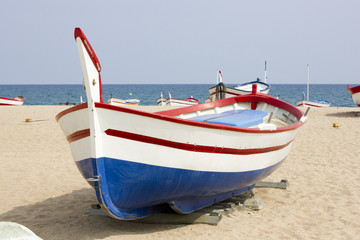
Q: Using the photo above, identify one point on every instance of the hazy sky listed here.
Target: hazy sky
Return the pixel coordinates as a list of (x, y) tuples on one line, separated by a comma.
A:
[(153, 41)]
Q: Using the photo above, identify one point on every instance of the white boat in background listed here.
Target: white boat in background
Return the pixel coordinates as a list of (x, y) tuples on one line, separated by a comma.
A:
[(262, 86), (139, 162), (221, 91), (246, 88), (306, 102), (121, 102), (355, 94), (176, 101), (18, 101)]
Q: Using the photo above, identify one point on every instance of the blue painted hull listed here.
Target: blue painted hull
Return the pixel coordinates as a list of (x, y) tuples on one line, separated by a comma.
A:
[(131, 190)]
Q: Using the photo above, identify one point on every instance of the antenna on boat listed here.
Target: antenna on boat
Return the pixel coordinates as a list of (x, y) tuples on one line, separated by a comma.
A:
[(308, 74), (265, 76)]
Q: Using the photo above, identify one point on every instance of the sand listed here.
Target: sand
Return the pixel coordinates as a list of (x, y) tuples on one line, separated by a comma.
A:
[(42, 189)]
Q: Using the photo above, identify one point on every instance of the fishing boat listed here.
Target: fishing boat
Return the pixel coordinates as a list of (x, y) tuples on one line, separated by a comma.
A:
[(262, 87), (306, 102), (121, 102), (187, 158), (355, 94), (176, 101), (18, 101), (221, 91)]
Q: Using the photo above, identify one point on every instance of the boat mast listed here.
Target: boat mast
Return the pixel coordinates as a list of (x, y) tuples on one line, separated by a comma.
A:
[(308, 82), (265, 76)]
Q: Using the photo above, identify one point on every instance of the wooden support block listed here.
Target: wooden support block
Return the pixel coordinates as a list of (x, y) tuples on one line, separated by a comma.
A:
[(283, 184), (253, 204)]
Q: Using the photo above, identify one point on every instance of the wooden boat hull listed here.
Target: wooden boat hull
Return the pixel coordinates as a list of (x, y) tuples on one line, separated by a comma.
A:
[(355, 94), (139, 162), (12, 101), (185, 164)]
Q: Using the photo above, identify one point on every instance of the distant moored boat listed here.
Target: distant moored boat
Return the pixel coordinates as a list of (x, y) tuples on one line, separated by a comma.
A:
[(12, 101), (176, 101), (221, 91), (307, 103), (122, 102)]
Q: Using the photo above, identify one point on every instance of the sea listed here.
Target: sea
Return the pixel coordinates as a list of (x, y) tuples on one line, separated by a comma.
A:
[(36, 94)]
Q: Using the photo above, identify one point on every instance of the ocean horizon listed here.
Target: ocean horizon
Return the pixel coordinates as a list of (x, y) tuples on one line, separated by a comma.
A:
[(56, 94)]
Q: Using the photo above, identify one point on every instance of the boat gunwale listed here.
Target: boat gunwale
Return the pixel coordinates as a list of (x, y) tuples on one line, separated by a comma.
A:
[(168, 115)]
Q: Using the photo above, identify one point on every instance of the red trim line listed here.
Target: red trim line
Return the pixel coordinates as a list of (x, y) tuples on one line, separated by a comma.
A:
[(69, 110), (190, 147), (79, 33), (78, 135)]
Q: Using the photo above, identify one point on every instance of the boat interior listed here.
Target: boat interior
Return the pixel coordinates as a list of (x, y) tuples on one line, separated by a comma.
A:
[(264, 117)]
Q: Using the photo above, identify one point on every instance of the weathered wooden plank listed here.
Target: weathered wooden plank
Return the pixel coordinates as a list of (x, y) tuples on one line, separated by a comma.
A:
[(283, 184)]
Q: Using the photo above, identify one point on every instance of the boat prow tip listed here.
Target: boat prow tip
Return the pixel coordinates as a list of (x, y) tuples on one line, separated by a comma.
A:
[(90, 66)]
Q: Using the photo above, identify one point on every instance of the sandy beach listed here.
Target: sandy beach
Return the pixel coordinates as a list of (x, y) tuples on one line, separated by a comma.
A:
[(42, 189)]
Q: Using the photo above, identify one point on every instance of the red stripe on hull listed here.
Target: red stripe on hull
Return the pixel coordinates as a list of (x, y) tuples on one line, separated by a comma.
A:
[(190, 147), (354, 90), (308, 105), (78, 135), (72, 109)]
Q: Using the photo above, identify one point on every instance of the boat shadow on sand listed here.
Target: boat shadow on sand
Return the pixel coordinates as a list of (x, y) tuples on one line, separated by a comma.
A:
[(351, 114), (65, 217)]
